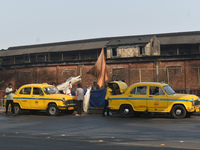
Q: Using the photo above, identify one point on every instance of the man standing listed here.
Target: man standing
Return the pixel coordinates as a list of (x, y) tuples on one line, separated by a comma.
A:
[(54, 84), (95, 86), (9, 99), (67, 90), (79, 99), (108, 94)]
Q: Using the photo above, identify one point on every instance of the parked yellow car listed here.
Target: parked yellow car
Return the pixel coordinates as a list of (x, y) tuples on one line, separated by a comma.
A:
[(153, 97), (42, 97)]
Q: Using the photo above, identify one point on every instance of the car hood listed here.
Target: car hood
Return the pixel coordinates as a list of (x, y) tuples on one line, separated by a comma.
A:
[(184, 96), (122, 85)]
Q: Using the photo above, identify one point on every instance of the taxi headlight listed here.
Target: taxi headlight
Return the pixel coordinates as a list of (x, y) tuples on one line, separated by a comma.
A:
[(193, 103)]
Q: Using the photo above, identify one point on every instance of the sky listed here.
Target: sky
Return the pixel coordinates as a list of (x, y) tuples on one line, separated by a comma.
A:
[(32, 22)]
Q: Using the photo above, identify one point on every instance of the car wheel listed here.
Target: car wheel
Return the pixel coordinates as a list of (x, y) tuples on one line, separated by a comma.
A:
[(127, 111), (52, 110), (17, 109), (178, 112)]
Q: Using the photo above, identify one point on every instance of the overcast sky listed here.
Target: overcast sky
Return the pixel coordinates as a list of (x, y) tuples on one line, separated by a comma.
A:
[(29, 22)]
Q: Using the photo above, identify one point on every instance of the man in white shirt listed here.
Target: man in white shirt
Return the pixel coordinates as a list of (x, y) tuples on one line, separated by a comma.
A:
[(67, 90), (9, 99), (79, 94)]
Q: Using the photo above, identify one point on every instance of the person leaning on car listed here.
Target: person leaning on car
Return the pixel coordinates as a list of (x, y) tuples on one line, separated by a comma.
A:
[(108, 94), (9, 99)]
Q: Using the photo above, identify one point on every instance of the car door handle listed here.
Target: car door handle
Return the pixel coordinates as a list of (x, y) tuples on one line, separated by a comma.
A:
[(150, 96)]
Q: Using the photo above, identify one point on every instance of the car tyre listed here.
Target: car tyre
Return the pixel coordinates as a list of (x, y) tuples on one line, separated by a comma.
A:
[(52, 110), (127, 111), (178, 112), (17, 109)]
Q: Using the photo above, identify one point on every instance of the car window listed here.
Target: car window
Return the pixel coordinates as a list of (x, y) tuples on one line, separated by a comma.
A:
[(51, 90), (168, 90), (37, 91), (25, 91), (154, 90), (140, 90)]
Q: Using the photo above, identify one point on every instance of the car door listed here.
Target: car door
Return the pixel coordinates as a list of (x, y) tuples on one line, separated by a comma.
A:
[(157, 101), (37, 101), (24, 97), (138, 98)]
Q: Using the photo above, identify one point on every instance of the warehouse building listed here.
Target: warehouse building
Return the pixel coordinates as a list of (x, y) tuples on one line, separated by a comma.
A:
[(173, 58)]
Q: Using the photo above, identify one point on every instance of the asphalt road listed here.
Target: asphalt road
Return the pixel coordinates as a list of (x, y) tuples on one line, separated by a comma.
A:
[(93, 131)]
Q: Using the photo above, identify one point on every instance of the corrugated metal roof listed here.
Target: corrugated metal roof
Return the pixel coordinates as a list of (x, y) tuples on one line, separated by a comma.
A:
[(56, 48), (130, 40), (90, 44), (188, 39)]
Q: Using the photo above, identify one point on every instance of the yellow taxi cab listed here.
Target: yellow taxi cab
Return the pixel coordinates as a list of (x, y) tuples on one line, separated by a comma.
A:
[(42, 97), (153, 97)]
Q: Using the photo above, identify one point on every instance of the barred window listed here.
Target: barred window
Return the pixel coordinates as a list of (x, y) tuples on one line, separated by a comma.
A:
[(174, 69), (119, 74)]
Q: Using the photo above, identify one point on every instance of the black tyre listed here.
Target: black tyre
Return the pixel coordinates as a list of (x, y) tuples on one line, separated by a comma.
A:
[(17, 108), (126, 111), (178, 112), (52, 110)]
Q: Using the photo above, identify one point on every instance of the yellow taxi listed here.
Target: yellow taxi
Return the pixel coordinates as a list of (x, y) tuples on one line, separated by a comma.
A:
[(152, 97), (42, 97)]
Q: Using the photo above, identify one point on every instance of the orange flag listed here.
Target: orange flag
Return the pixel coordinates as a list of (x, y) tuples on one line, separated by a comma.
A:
[(99, 70)]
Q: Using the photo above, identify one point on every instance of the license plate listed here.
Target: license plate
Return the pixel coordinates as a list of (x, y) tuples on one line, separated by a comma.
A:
[(70, 108)]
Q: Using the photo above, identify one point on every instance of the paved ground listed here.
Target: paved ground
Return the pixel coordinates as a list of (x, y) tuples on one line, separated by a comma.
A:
[(93, 131), (2, 109)]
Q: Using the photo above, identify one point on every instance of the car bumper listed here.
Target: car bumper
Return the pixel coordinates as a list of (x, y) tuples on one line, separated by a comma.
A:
[(66, 106), (197, 108), (194, 108)]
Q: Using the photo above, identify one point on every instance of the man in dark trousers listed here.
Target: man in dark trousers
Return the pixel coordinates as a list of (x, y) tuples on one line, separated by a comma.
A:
[(108, 94), (79, 93), (9, 99)]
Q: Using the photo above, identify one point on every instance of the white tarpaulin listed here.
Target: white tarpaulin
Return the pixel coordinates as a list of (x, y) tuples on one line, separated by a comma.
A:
[(86, 99), (64, 85)]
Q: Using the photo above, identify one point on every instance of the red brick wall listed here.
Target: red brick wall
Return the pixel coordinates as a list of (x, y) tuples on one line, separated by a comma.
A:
[(192, 73), (183, 77), (176, 80)]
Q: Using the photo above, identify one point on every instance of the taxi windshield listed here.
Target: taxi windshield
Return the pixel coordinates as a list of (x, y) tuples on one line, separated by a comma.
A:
[(51, 90), (168, 90)]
